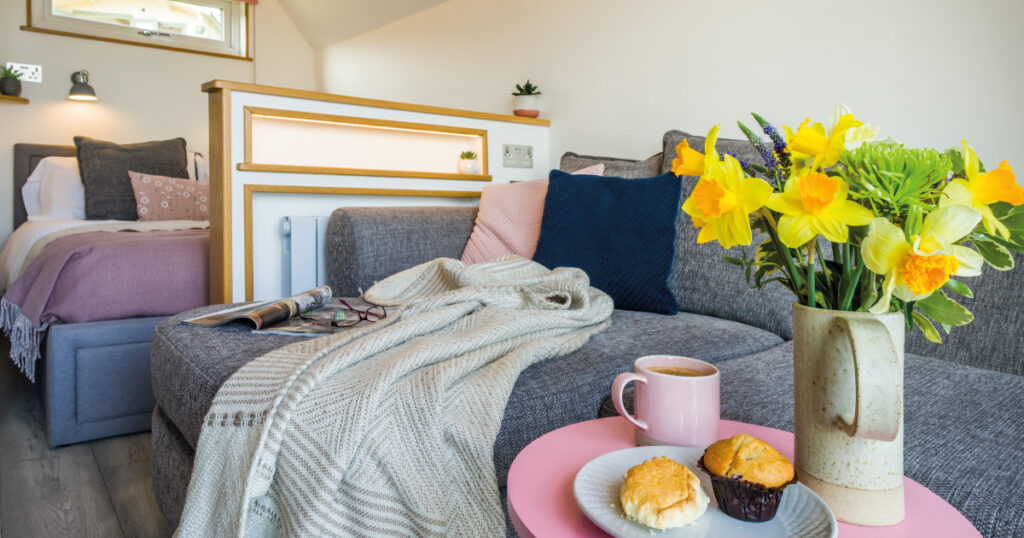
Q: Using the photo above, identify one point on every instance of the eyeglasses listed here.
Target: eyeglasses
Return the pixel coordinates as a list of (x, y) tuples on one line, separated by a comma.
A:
[(349, 316)]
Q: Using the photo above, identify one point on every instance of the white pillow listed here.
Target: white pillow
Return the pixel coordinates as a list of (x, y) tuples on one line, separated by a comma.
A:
[(198, 166), (30, 194), (61, 193)]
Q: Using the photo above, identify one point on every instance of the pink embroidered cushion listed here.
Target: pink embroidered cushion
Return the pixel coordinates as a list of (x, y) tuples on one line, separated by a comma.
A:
[(170, 198), (508, 221)]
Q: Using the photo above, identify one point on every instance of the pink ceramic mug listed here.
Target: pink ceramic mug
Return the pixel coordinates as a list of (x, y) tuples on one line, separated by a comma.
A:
[(672, 409)]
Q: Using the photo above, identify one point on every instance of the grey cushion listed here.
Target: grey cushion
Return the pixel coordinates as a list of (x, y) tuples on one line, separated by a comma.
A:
[(741, 149), (104, 168), (705, 284), (366, 244), (190, 363), (964, 428), (995, 339), (171, 467), (613, 166)]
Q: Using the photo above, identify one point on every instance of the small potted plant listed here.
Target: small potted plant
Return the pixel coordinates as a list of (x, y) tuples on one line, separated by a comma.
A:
[(10, 83), (467, 163), (527, 100)]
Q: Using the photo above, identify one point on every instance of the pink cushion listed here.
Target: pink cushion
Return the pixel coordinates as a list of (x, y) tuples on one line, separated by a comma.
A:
[(170, 198), (508, 221)]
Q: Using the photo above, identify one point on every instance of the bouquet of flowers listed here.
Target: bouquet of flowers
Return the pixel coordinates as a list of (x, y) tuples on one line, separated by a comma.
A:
[(855, 222)]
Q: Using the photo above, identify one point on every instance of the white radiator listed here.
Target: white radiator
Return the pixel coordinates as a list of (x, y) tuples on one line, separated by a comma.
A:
[(303, 264)]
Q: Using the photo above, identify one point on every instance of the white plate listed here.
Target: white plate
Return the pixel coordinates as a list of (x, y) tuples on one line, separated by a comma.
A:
[(801, 513)]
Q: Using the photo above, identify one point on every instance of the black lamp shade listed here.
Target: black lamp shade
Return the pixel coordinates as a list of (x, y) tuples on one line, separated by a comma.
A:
[(80, 88)]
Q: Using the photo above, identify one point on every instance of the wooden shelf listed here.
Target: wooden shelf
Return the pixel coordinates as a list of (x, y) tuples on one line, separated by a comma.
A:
[(335, 171), (13, 100)]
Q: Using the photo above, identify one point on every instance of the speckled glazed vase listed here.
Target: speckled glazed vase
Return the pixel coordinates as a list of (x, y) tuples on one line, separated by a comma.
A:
[(848, 396)]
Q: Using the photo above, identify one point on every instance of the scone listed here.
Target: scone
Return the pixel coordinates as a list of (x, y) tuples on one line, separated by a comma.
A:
[(663, 494), (748, 476)]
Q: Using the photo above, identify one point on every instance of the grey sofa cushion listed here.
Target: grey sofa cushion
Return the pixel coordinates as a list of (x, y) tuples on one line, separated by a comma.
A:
[(171, 467), (995, 339), (613, 166), (190, 363), (705, 284), (964, 428), (104, 168), (366, 244), (741, 149)]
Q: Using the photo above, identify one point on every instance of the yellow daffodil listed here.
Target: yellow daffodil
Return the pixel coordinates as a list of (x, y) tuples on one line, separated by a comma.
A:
[(982, 189), (856, 136), (690, 162), (816, 204), (913, 270), (722, 201), (825, 147)]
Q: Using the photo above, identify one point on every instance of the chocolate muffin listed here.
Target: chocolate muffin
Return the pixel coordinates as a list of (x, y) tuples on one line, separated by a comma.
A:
[(747, 476)]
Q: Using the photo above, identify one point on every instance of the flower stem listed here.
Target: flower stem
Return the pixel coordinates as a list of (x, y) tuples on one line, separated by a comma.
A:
[(810, 275), (824, 268), (787, 255)]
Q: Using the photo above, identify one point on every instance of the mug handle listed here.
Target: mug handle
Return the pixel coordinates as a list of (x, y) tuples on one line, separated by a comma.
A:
[(618, 386)]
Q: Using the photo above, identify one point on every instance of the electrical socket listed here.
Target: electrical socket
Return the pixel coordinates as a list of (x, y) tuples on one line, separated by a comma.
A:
[(516, 156), (29, 72)]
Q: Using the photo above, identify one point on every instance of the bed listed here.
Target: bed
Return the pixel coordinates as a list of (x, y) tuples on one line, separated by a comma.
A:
[(93, 374)]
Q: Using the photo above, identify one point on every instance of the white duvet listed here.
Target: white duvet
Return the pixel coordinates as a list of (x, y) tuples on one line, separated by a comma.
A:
[(26, 242)]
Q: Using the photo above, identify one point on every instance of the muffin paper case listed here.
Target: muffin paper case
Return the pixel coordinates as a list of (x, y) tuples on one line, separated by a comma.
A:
[(743, 500)]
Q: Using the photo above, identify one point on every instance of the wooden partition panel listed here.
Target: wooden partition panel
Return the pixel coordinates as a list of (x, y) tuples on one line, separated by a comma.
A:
[(276, 152)]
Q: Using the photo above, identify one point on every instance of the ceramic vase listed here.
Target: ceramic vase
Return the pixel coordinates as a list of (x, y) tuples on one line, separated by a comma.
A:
[(468, 166), (848, 411), (526, 105)]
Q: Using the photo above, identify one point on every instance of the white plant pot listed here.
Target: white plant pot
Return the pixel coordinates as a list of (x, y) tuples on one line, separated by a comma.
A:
[(468, 166), (526, 105)]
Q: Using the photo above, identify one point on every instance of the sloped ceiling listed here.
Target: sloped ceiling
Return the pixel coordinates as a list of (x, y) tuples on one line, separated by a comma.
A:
[(325, 22)]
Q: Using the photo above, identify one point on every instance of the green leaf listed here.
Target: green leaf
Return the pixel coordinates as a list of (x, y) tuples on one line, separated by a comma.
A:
[(959, 287), (994, 254), (927, 328), (734, 261), (944, 310)]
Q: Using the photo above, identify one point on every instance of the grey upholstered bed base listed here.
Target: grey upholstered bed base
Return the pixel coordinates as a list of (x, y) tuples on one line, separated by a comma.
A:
[(95, 379), (95, 375)]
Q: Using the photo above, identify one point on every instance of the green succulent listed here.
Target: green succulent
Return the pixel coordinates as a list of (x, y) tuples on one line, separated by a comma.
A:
[(526, 89), (7, 72), (468, 155), (899, 183)]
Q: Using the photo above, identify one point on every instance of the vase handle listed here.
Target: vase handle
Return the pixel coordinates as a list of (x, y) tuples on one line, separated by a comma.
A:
[(877, 408)]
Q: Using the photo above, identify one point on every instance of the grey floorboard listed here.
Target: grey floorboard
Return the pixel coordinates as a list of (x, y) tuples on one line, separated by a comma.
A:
[(102, 488), (124, 463)]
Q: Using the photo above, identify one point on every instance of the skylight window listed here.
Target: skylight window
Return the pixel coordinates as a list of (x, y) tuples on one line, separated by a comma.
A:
[(221, 27)]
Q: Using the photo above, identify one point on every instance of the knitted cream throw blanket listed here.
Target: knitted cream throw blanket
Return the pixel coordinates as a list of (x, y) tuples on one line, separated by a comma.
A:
[(387, 430)]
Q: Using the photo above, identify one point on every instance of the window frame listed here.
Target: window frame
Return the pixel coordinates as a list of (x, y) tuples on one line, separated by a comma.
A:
[(240, 38)]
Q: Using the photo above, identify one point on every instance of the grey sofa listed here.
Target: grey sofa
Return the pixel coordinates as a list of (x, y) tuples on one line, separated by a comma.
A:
[(964, 413)]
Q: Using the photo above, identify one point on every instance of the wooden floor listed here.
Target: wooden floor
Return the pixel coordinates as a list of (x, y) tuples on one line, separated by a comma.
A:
[(102, 488)]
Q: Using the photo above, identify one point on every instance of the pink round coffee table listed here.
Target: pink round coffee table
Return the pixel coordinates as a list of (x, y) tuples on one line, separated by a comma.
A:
[(541, 503)]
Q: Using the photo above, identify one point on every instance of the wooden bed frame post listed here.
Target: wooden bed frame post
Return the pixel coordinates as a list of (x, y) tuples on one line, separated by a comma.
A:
[(220, 194)]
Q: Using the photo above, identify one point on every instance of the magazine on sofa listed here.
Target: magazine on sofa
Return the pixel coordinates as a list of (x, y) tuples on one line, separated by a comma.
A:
[(267, 313), (312, 313)]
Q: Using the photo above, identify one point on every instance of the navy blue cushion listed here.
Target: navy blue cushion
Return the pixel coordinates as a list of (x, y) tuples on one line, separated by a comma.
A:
[(620, 231)]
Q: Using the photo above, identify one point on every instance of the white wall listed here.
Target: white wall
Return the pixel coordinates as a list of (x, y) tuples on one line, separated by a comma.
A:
[(616, 74), (144, 93)]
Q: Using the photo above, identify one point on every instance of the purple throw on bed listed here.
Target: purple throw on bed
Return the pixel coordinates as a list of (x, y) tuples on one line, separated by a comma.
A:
[(100, 276)]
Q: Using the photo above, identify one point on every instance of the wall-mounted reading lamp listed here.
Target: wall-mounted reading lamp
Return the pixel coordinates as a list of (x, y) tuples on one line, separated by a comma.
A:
[(80, 88)]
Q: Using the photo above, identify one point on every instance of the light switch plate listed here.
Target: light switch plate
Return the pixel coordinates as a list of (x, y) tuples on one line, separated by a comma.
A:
[(516, 156), (29, 72)]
